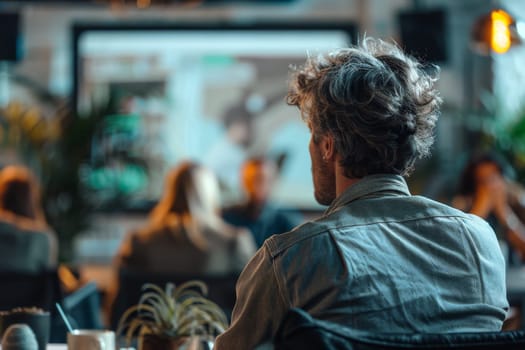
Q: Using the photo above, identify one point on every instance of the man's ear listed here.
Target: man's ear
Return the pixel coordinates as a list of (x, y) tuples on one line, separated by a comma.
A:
[(328, 147)]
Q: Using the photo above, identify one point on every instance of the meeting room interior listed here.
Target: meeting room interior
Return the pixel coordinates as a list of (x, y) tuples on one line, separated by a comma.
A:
[(121, 120)]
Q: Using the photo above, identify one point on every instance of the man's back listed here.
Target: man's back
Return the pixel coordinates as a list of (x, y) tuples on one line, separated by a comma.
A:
[(414, 265), (384, 261)]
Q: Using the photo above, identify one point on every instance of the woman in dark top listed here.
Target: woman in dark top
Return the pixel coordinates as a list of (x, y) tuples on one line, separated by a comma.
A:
[(185, 233), (27, 243)]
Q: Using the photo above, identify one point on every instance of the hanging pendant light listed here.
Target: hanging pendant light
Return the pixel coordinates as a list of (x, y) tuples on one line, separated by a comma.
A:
[(495, 32)]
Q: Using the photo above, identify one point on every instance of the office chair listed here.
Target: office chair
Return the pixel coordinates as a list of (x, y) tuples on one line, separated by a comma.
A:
[(301, 331), (40, 290), (43, 290)]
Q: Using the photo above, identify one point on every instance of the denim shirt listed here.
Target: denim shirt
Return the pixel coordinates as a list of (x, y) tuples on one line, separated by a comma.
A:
[(270, 219), (379, 260)]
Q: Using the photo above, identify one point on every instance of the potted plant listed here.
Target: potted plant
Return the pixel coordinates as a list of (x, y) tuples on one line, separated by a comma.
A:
[(36, 318), (172, 318)]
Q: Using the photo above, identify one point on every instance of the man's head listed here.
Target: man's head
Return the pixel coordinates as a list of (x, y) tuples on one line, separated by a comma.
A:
[(257, 175), (374, 105)]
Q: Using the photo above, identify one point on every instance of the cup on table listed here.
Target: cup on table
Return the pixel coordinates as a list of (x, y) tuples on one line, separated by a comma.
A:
[(38, 321), (91, 339)]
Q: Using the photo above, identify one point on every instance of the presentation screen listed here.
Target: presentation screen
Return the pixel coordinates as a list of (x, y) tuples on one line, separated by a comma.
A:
[(215, 95)]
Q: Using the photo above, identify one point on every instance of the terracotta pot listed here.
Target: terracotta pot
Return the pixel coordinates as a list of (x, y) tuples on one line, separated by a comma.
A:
[(157, 342)]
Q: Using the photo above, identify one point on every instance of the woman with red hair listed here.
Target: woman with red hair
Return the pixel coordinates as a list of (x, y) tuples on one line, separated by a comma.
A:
[(27, 243)]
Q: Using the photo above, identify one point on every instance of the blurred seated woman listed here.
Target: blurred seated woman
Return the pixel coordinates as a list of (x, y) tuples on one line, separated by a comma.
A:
[(27, 243), (186, 234), (486, 191)]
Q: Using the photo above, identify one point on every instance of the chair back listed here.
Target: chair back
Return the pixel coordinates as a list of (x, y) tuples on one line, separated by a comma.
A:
[(83, 307), (300, 331), (43, 290), (221, 289), (40, 290), (29, 289)]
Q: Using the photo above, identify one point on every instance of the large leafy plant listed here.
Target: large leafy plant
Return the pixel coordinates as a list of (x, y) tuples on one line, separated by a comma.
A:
[(55, 145), (179, 312)]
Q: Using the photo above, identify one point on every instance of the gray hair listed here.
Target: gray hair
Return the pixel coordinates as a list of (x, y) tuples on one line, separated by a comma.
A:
[(378, 103)]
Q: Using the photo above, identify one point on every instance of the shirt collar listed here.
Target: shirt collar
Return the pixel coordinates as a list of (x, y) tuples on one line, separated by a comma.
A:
[(371, 186)]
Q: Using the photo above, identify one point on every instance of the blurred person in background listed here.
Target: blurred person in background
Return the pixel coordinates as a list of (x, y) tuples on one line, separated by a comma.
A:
[(241, 136), (27, 243), (258, 213), (185, 233), (488, 192)]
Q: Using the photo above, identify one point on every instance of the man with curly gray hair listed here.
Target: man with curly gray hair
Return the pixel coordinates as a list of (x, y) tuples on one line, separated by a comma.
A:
[(379, 259)]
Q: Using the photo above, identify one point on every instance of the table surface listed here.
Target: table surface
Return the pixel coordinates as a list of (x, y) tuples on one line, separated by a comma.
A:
[(53, 347), (64, 347)]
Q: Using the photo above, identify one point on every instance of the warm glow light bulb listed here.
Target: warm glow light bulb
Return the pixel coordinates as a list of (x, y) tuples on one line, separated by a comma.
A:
[(143, 3), (500, 40)]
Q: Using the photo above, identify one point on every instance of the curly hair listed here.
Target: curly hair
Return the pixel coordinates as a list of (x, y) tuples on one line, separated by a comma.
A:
[(377, 102)]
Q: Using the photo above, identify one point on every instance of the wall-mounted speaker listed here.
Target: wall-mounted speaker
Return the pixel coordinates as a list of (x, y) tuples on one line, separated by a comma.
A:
[(424, 34), (10, 37)]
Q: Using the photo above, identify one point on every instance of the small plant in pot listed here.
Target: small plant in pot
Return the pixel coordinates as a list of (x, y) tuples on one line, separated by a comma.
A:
[(172, 318), (34, 317)]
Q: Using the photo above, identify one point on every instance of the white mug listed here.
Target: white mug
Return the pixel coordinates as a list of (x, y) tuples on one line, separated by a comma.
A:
[(91, 339)]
